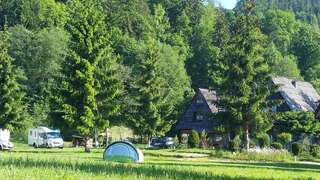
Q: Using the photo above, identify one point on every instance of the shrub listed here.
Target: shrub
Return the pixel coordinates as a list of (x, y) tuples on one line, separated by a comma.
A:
[(285, 138), (176, 139), (193, 140), (264, 140), (253, 143), (315, 150), (234, 145), (306, 143), (203, 139), (276, 145), (296, 148)]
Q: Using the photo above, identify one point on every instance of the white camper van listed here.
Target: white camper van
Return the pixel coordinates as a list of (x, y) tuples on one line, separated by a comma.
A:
[(5, 143), (45, 137)]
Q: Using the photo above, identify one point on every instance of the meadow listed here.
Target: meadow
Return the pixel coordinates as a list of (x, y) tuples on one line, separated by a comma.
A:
[(72, 163)]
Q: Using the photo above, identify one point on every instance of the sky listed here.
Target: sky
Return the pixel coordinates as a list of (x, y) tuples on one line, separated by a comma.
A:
[(228, 4)]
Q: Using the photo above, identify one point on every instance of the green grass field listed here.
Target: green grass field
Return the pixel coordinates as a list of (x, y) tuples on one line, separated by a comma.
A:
[(72, 163)]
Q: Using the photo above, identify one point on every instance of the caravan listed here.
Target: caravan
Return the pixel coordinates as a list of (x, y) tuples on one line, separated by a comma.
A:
[(45, 137), (5, 143)]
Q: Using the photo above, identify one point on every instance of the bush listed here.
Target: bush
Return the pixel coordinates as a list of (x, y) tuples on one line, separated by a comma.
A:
[(285, 138), (315, 150), (306, 143), (264, 140), (296, 148), (276, 145), (253, 143), (234, 145), (203, 139), (193, 140)]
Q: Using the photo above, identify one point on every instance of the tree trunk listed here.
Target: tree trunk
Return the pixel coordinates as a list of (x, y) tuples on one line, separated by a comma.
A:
[(88, 145), (107, 137), (247, 137)]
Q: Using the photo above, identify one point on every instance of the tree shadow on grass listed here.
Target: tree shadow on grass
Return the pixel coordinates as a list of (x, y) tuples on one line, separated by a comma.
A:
[(150, 171), (296, 167)]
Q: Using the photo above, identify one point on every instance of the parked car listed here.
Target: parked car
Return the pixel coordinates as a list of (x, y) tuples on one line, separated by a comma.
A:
[(45, 137), (5, 143), (162, 142)]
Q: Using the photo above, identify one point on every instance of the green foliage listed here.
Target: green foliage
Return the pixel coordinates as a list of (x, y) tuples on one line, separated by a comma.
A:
[(11, 94), (203, 139), (193, 139), (305, 46), (37, 14), (234, 145), (296, 148), (280, 65), (39, 56), (284, 138), (280, 27), (244, 88), (315, 150), (307, 10), (276, 145), (132, 17), (10, 12), (264, 140), (83, 91), (203, 49), (296, 123)]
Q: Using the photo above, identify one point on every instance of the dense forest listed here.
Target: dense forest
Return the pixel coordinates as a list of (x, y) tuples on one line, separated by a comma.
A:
[(79, 65)]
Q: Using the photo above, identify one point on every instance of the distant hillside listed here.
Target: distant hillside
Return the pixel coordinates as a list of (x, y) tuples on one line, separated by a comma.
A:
[(306, 10)]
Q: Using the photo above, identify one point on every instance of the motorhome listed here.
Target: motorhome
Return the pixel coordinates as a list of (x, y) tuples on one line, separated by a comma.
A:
[(45, 137), (5, 143)]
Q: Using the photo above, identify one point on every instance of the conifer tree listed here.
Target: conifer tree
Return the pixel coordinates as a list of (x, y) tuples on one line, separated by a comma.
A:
[(244, 89), (89, 85), (11, 105), (152, 93)]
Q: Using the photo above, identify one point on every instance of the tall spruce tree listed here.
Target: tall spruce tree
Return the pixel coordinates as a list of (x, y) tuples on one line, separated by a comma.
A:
[(152, 92), (244, 88), (86, 93), (11, 105)]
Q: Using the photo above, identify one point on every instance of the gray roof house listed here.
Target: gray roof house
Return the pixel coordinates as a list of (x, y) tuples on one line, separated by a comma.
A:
[(296, 95), (198, 115)]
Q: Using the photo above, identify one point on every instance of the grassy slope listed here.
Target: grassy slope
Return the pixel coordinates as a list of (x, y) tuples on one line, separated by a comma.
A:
[(28, 163)]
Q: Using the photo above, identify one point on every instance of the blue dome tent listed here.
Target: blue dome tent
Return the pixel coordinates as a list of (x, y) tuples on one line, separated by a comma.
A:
[(123, 149)]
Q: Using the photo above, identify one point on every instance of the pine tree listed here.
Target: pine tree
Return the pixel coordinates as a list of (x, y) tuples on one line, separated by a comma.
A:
[(152, 92), (89, 86), (11, 105), (244, 89)]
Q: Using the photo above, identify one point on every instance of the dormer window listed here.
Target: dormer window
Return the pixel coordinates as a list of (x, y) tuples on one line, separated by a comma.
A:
[(199, 101)]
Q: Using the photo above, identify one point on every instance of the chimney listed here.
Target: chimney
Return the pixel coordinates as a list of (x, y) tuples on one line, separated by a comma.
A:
[(294, 83)]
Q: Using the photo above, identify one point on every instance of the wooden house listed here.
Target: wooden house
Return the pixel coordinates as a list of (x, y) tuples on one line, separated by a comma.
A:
[(199, 116), (296, 95)]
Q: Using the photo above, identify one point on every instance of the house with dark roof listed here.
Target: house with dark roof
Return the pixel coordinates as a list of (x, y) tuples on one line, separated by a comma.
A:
[(199, 116), (296, 95)]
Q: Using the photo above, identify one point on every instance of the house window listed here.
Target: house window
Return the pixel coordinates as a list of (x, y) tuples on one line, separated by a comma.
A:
[(198, 116), (199, 101)]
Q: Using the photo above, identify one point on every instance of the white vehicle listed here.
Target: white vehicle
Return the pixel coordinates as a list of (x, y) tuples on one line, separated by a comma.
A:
[(45, 137), (5, 143)]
